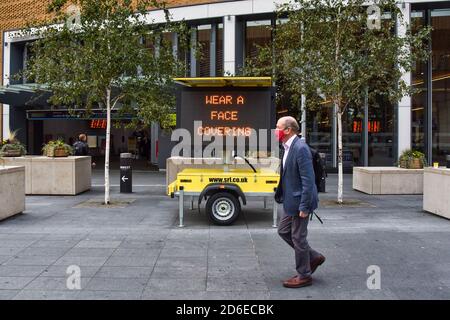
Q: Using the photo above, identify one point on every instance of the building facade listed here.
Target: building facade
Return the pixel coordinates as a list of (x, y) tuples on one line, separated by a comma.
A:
[(229, 31)]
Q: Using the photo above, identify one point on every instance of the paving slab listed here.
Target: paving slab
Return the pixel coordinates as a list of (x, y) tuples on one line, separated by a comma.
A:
[(46, 295), (138, 252), (181, 284), (54, 283), (116, 284), (108, 295), (12, 283)]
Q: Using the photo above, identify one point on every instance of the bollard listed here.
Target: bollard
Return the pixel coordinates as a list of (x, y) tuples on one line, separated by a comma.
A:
[(126, 185)]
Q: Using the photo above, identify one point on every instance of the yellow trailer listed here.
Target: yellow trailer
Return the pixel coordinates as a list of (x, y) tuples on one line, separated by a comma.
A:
[(226, 107), (224, 190)]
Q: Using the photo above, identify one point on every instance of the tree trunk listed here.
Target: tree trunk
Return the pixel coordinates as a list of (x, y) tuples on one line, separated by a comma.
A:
[(303, 116), (108, 142), (340, 158), (337, 105)]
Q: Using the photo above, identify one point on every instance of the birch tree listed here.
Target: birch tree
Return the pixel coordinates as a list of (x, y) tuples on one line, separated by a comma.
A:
[(342, 52), (104, 54)]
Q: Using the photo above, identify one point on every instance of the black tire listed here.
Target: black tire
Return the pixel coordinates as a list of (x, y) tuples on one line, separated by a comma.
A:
[(223, 208)]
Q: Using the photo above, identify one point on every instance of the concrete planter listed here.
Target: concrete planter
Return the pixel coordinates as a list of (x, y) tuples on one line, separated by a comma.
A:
[(55, 176), (436, 191), (12, 190), (20, 161), (388, 180)]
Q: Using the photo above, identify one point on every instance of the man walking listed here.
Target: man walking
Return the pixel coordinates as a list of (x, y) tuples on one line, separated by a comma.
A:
[(80, 147), (298, 193)]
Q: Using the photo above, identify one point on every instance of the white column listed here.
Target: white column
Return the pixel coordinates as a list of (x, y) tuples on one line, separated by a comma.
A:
[(5, 123), (404, 105), (229, 45), (6, 68)]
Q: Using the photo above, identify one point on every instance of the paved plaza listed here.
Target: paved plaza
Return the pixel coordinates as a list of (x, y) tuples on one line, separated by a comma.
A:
[(138, 252)]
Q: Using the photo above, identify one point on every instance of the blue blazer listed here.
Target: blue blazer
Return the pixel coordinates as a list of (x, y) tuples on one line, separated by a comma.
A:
[(297, 188)]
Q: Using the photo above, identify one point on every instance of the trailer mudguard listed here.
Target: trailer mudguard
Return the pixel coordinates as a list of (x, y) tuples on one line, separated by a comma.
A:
[(222, 187)]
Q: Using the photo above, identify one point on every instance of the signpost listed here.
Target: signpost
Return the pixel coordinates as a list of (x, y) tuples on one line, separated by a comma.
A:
[(126, 184)]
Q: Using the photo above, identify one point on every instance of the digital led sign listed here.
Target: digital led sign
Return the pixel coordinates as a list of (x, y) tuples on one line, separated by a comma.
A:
[(231, 112), (373, 126), (98, 124)]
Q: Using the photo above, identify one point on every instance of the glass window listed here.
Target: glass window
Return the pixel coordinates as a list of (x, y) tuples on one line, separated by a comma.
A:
[(257, 33), (319, 126), (380, 123), (167, 41), (419, 100), (149, 42), (28, 55), (219, 50), (204, 41), (440, 39), (380, 128), (352, 136), (183, 51)]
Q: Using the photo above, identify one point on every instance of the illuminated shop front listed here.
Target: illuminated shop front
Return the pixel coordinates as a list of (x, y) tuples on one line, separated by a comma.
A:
[(43, 125), (430, 129)]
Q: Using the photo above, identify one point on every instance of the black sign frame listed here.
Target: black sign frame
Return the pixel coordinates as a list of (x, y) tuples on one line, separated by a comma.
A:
[(185, 120)]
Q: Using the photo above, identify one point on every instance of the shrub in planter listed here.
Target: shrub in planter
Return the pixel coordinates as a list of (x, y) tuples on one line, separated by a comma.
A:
[(411, 159), (57, 148), (12, 149)]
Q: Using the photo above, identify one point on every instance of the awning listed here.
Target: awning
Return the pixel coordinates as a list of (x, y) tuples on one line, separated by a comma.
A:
[(76, 114), (225, 82), (23, 94)]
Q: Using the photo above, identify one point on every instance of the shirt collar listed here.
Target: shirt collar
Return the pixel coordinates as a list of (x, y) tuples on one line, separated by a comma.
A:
[(288, 143)]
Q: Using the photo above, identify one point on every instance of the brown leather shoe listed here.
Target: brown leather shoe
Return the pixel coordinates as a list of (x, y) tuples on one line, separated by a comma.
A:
[(292, 278), (297, 282), (317, 262)]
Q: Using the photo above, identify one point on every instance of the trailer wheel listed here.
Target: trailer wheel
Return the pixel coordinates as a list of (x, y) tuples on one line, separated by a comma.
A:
[(223, 208)]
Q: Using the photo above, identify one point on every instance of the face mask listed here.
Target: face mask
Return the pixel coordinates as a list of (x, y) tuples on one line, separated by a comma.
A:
[(279, 133)]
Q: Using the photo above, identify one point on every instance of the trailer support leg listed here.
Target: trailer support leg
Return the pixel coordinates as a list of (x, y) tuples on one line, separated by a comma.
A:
[(180, 208), (192, 202), (275, 214), (265, 202)]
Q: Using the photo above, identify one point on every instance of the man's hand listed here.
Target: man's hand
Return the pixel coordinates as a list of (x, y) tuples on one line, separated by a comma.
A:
[(303, 214)]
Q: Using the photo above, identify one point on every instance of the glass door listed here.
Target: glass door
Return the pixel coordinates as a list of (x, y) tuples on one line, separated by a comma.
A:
[(440, 39)]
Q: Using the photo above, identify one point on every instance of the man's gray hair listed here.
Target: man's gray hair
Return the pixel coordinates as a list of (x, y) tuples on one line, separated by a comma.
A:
[(290, 122)]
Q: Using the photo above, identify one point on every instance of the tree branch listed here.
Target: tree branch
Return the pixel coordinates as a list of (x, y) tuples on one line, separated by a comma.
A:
[(116, 99)]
